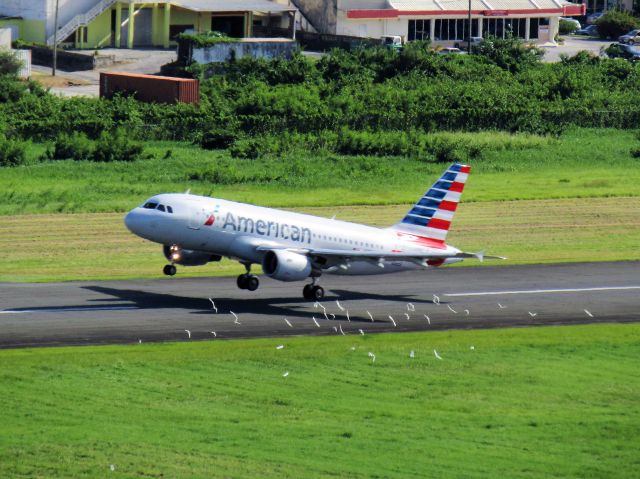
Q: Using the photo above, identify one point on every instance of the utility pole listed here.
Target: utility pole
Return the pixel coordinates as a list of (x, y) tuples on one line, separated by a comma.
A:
[(469, 33), (55, 40)]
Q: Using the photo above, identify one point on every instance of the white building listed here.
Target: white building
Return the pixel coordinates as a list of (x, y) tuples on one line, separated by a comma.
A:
[(441, 21)]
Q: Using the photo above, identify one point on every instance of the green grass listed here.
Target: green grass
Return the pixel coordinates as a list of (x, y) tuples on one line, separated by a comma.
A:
[(527, 403), (582, 163), (95, 246)]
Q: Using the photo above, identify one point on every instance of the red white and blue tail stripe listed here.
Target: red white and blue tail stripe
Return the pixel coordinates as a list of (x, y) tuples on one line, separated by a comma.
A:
[(431, 216)]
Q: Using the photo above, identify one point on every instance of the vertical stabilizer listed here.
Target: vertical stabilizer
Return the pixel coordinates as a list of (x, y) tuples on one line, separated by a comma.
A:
[(431, 216)]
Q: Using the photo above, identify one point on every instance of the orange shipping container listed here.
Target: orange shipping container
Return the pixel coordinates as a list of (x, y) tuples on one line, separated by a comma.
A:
[(150, 88)]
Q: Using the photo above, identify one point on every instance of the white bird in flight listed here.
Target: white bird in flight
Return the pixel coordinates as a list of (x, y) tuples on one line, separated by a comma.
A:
[(472, 348), (235, 318), (370, 317), (339, 305), (214, 334), (348, 318), (315, 321), (280, 346), (372, 356), (412, 354), (466, 312), (286, 373), (533, 315), (451, 309), (361, 331), (288, 323), (500, 306), (112, 467), (393, 321), (410, 307), (139, 341), (213, 305), (588, 313), (428, 319), (341, 331), (333, 316), (436, 299), (437, 355), (188, 333), (408, 317)]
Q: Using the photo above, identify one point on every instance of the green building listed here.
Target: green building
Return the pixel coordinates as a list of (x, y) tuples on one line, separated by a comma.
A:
[(130, 24)]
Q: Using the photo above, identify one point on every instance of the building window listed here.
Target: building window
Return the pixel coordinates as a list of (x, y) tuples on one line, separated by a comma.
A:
[(503, 27), (454, 29), (534, 23), (419, 30)]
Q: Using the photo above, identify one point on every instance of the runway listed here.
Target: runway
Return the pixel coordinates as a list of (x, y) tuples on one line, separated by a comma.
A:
[(109, 312)]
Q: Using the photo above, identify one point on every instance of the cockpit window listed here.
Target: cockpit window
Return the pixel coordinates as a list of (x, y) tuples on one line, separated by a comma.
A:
[(150, 205), (169, 209), (161, 207)]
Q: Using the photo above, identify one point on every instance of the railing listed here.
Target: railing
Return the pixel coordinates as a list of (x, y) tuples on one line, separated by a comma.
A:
[(80, 20)]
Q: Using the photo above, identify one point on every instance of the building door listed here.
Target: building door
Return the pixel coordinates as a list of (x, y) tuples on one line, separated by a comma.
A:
[(232, 25), (142, 32)]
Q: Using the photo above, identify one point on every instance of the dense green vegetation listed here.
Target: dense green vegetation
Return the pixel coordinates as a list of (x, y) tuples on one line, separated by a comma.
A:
[(580, 163), (503, 87), (530, 403)]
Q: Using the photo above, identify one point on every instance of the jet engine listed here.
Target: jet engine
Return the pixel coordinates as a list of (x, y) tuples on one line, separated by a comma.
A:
[(285, 265), (188, 257)]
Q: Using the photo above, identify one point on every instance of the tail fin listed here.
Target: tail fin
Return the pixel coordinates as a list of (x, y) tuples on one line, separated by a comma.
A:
[(431, 216)]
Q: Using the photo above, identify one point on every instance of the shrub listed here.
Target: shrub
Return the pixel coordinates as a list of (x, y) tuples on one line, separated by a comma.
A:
[(9, 63), (567, 27), (613, 24), (219, 138), (11, 89), (635, 152), (117, 146), (75, 146), (12, 153)]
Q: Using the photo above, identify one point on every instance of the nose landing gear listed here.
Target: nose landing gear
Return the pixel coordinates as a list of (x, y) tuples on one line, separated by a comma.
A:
[(169, 270)]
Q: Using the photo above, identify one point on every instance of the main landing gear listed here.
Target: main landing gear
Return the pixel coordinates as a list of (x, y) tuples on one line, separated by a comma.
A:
[(312, 291), (169, 270), (248, 281)]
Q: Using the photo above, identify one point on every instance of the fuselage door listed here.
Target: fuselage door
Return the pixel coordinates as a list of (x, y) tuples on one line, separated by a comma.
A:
[(196, 218)]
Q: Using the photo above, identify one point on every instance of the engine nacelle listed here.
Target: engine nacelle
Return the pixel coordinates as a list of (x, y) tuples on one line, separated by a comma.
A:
[(188, 257), (285, 265)]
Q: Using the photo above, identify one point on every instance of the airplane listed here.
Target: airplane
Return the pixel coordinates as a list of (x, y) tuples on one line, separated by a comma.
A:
[(195, 230)]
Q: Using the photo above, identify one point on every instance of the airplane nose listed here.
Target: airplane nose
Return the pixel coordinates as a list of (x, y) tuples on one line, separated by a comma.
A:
[(132, 221)]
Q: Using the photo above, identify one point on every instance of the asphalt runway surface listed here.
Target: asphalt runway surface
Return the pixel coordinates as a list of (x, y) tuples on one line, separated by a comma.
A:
[(109, 312)]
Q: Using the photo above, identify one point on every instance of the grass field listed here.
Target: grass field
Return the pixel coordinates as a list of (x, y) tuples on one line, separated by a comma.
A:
[(530, 403), (98, 246), (582, 163)]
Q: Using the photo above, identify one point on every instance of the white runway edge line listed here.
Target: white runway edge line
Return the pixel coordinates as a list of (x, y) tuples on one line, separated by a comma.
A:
[(67, 310), (545, 291)]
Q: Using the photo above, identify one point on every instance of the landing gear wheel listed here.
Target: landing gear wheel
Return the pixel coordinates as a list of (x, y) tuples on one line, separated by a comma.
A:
[(248, 281), (306, 291), (252, 282), (242, 281), (317, 292), (169, 270), (313, 292)]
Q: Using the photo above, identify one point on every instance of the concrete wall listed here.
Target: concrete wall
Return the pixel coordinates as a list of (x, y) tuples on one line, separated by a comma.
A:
[(223, 52), (29, 30), (322, 14), (5, 38)]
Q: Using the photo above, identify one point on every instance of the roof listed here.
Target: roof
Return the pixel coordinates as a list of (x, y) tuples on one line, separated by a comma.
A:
[(397, 8), (232, 6)]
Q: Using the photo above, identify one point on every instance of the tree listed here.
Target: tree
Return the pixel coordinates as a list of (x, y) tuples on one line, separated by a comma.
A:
[(613, 24)]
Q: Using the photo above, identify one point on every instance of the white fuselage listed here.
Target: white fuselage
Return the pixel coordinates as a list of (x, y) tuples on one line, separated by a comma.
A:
[(236, 230)]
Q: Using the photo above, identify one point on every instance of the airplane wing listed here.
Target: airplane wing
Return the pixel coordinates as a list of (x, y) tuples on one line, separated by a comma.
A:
[(419, 258)]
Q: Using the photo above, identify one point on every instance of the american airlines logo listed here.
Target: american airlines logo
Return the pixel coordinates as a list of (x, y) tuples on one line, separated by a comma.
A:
[(267, 228)]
